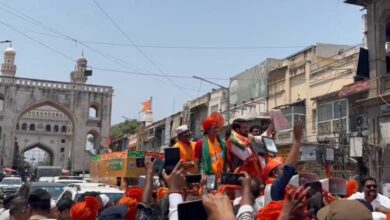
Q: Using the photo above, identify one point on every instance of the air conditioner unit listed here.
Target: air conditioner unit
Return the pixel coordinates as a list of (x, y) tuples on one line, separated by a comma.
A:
[(385, 109)]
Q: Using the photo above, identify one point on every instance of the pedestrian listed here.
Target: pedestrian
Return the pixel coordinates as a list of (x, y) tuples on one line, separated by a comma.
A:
[(85, 210), (39, 203), (63, 207), (370, 194), (19, 209), (187, 148)]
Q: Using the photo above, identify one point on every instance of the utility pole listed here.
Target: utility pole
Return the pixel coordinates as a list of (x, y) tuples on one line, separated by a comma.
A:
[(223, 87), (341, 139)]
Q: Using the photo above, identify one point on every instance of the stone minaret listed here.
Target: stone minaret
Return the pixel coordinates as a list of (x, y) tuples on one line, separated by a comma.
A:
[(8, 68), (78, 75)]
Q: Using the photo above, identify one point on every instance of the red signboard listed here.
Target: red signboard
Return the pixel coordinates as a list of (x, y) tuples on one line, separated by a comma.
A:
[(360, 86)]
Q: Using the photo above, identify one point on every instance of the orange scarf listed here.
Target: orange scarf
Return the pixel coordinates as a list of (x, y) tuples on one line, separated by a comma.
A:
[(216, 155)]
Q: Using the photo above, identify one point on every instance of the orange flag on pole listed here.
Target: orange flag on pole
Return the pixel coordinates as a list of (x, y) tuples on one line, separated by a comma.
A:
[(147, 105)]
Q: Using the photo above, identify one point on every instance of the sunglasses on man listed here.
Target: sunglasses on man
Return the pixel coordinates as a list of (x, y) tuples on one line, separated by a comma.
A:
[(371, 186)]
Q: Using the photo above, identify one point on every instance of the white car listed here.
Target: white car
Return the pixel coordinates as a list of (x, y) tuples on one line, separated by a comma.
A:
[(69, 181), (9, 185), (75, 191), (48, 179)]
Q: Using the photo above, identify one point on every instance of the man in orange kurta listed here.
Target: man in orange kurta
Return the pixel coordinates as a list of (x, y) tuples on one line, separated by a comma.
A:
[(187, 148)]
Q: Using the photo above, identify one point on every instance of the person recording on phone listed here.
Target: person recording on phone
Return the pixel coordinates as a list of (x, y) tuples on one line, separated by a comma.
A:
[(187, 149)]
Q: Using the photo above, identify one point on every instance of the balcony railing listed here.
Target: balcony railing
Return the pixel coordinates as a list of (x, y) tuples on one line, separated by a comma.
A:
[(287, 137), (330, 128)]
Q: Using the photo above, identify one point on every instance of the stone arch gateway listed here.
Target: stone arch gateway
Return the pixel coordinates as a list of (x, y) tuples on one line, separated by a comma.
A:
[(21, 95)]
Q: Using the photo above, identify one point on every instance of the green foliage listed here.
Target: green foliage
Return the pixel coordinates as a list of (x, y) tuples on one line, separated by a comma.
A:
[(126, 127)]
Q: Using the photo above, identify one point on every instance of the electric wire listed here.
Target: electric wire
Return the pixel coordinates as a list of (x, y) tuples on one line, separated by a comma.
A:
[(64, 36)]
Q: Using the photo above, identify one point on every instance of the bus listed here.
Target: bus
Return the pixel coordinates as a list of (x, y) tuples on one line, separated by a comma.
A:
[(47, 173)]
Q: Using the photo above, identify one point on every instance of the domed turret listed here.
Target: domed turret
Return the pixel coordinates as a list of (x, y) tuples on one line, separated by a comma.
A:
[(8, 68), (9, 51), (78, 75), (82, 60)]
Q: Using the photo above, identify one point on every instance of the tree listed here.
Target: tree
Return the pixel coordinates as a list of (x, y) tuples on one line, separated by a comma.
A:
[(123, 128)]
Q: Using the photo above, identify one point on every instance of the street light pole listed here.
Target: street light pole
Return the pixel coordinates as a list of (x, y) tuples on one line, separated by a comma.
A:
[(223, 87), (5, 41)]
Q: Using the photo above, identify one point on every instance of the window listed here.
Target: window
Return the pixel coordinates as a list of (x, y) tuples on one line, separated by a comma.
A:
[(325, 112), (32, 127), (329, 115), (17, 126), (294, 113), (55, 129), (332, 110), (62, 150), (63, 128), (93, 112), (48, 128), (24, 126), (63, 141)]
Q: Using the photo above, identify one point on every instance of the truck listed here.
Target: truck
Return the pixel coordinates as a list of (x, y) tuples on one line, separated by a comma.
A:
[(47, 173), (119, 169)]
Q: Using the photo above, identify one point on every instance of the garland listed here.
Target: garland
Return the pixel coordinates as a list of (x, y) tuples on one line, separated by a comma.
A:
[(239, 140), (206, 159)]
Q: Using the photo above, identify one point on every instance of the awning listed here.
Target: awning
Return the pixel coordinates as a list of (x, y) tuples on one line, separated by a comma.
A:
[(325, 96), (9, 170), (291, 104), (354, 88)]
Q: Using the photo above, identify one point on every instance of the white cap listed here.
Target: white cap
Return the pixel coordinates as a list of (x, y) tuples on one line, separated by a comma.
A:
[(105, 199), (181, 129)]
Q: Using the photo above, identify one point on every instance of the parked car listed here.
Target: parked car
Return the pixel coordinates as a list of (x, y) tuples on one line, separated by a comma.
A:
[(55, 189), (75, 191), (69, 181), (9, 185)]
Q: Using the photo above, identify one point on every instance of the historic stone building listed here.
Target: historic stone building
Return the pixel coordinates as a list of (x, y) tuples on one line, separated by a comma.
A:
[(61, 118), (48, 129)]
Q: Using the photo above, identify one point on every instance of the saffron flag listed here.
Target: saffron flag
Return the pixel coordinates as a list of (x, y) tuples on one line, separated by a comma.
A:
[(147, 105)]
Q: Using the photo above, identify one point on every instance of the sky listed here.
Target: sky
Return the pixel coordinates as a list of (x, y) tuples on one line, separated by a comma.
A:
[(211, 39)]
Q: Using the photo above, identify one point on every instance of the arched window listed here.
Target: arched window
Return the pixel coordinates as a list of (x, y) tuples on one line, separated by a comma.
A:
[(48, 128), (24, 126), (63, 128), (55, 128), (32, 127), (93, 112)]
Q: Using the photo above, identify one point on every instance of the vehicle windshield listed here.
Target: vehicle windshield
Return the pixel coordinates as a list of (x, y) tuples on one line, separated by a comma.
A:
[(54, 191), (11, 181)]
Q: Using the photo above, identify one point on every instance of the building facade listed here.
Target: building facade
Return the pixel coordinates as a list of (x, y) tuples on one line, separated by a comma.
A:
[(377, 35)]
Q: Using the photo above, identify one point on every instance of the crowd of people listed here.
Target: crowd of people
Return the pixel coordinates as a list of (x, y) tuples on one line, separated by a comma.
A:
[(264, 190)]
